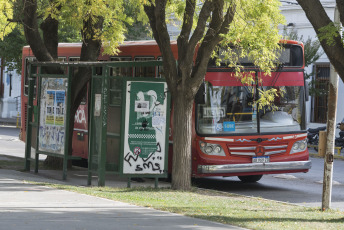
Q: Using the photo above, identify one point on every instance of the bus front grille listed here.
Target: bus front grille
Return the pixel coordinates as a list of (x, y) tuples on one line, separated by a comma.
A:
[(251, 150)]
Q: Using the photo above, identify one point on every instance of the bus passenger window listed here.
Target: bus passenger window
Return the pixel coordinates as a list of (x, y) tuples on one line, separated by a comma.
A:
[(61, 59), (121, 71), (145, 71), (74, 59)]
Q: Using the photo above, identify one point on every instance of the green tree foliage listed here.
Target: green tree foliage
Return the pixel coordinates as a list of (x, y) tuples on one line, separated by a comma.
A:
[(6, 12), (11, 49), (69, 29), (12, 45), (139, 29)]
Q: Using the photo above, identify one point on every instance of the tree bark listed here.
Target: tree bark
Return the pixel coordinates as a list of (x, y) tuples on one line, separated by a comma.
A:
[(182, 123), (32, 34)]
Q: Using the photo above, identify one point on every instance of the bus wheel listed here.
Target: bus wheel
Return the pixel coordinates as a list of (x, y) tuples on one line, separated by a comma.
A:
[(250, 179)]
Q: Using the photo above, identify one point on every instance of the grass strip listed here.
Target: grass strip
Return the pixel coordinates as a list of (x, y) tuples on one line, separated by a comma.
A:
[(247, 212)]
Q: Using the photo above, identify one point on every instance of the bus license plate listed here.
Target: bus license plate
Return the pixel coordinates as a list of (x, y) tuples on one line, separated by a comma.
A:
[(264, 159)]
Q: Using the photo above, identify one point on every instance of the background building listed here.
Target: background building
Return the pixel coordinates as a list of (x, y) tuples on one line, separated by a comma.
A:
[(297, 21), (10, 84)]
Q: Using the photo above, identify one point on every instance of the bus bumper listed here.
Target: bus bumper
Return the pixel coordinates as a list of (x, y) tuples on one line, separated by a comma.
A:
[(255, 167)]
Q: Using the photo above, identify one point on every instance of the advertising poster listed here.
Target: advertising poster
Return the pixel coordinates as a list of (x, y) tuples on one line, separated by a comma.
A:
[(145, 128), (52, 115), (50, 119), (60, 107)]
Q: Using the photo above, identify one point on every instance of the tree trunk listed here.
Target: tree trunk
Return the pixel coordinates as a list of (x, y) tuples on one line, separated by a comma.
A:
[(184, 79), (182, 124)]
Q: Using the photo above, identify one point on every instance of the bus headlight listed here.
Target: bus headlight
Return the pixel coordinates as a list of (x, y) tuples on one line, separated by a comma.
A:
[(299, 146), (211, 149)]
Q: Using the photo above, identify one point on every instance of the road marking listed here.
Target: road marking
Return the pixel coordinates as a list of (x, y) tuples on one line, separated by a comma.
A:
[(333, 182), (9, 139), (285, 176)]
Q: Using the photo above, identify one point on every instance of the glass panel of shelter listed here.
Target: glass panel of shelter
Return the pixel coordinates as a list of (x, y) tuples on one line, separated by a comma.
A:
[(26, 75)]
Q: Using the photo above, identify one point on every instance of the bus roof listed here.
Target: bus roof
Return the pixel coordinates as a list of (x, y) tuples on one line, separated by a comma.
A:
[(148, 43), (125, 43)]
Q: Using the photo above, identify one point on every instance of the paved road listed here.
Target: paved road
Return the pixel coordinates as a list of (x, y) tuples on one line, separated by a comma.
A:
[(10, 143), (298, 188)]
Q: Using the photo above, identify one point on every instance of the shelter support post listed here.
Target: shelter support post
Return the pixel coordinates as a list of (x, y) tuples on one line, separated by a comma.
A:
[(103, 147), (29, 122)]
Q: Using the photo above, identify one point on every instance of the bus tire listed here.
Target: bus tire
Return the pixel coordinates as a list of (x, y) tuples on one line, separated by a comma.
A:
[(250, 179)]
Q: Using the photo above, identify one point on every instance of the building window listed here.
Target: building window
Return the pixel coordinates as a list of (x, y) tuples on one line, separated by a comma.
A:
[(319, 92)]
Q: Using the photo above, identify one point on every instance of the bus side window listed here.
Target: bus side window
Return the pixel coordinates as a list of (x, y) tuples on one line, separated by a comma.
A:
[(121, 71), (144, 71), (73, 59), (61, 59)]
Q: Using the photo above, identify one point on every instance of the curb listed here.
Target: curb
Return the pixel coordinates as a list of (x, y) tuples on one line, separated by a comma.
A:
[(10, 122), (318, 156)]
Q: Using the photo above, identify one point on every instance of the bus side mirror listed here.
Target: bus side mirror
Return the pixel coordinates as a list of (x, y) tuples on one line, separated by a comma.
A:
[(200, 95)]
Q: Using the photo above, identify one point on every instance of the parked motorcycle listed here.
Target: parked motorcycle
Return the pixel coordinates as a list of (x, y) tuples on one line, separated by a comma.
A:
[(313, 136), (339, 141)]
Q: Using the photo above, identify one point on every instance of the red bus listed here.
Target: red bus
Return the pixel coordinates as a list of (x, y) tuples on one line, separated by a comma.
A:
[(231, 136)]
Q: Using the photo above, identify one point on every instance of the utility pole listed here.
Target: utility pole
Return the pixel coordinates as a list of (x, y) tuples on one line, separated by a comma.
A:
[(331, 128)]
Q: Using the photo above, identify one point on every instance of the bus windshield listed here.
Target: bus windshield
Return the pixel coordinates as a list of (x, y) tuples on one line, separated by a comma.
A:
[(229, 110)]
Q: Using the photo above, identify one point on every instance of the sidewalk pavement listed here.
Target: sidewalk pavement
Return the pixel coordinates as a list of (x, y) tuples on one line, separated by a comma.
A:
[(29, 206)]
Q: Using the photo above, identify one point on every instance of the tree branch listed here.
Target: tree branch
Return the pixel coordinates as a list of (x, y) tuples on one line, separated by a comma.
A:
[(50, 28), (90, 51), (219, 25), (205, 13), (31, 32), (186, 48), (340, 6), (156, 15), (188, 19), (183, 38)]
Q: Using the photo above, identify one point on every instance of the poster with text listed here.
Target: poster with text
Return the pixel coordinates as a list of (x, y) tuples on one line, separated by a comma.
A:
[(52, 115), (145, 128)]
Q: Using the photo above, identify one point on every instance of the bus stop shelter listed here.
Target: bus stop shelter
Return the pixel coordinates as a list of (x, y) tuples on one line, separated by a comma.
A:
[(128, 118)]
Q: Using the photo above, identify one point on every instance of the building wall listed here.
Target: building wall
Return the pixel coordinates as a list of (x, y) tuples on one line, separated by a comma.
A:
[(10, 102), (296, 20)]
